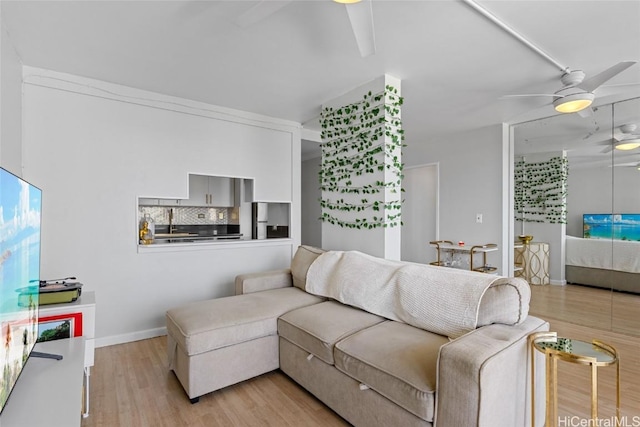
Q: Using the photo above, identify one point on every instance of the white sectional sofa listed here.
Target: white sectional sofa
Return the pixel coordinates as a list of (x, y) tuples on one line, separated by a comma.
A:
[(382, 343)]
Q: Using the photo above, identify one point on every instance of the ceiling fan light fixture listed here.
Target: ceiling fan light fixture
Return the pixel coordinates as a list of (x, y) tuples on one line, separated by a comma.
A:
[(573, 103), (629, 144)]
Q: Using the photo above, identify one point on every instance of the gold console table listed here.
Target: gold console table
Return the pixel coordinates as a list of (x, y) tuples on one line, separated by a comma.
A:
[(448, 246), (594, 354)]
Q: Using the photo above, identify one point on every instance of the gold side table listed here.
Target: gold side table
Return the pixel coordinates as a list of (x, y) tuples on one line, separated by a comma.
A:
[(533, 258), (593, 354)]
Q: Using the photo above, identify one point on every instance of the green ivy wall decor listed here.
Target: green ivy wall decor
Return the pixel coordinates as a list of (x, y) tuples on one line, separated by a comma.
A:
[(361, 155), (540, 191)]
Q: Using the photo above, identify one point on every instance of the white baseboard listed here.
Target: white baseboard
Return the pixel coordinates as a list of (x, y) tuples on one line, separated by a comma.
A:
[(558, 282), (133, 336)]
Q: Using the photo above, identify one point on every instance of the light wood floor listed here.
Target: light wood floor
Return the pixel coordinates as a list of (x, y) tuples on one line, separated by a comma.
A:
[(592, 307), (131, 385), (588, 306)]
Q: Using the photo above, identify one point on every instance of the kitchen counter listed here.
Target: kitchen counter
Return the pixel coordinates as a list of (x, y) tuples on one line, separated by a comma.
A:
[(187, 245)]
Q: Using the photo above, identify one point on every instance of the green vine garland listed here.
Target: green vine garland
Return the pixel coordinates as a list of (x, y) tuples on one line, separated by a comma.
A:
[(540, 191), (360, 139)]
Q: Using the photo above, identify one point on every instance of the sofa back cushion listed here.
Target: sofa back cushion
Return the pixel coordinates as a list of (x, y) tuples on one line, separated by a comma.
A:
[(445, 301), (304, 257)]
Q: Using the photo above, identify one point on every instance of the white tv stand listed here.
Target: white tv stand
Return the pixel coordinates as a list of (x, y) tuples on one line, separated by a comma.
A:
[(48, 392), (83, 308)]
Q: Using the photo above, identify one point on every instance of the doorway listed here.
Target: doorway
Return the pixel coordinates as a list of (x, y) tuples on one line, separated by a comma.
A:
[(419, 212)]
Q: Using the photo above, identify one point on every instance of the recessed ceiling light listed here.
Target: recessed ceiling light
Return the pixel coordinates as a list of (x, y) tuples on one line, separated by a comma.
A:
[(347, 1)]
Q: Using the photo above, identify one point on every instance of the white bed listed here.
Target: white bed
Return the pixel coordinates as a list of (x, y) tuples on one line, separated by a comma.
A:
[(611, 264)]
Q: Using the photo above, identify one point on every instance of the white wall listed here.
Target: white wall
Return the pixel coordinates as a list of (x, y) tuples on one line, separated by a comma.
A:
[(601, 190), (10, 104), (93, 153), (311, 211), (626, 190), (470, 168), (590, 191)]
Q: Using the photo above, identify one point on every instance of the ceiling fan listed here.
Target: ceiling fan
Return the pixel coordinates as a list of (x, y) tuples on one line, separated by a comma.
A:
[(360, 14), (626, 139), (629, 165), (577, 94)]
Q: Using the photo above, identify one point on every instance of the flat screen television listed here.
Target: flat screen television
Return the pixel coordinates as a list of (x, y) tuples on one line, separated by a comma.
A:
[(611, 226), (20, 218)]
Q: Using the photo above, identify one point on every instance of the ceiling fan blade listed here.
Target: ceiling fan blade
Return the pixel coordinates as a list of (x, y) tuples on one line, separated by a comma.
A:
[(530, 94), (607, 143), (605, 90), (361, 17), (259, 12), (607, 149), (594, 82)]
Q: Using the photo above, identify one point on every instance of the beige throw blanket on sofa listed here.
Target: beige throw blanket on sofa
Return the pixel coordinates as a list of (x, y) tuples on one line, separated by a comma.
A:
[(441, 300)]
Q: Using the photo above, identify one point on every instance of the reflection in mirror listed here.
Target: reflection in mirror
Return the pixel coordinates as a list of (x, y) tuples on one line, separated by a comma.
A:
[(626, 203), (550, 204), (596, 252)]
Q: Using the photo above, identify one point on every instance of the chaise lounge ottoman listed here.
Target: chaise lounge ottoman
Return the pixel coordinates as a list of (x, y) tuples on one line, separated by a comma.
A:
[(237, 332)]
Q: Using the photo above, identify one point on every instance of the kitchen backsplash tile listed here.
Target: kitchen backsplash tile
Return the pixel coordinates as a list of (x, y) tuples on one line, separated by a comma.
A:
[(191, 215)]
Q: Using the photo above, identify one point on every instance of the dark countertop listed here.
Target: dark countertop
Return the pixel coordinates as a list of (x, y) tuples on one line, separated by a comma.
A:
[(207, 230)]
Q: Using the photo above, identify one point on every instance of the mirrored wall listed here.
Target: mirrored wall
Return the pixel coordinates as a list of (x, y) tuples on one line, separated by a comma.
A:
[(587, 216)]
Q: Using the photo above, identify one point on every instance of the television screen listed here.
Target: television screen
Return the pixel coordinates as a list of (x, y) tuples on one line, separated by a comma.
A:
[(608, 226), (20, 209)]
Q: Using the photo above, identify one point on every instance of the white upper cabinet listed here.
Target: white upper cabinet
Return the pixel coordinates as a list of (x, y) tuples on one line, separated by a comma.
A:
[(213, 191), (221, 191), (198, 191)]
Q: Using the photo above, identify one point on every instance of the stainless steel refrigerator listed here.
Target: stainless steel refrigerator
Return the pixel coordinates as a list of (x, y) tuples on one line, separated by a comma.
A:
[(259, 220)]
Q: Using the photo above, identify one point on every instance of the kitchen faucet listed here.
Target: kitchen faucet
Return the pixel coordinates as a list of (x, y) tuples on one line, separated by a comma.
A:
[(171, 228)]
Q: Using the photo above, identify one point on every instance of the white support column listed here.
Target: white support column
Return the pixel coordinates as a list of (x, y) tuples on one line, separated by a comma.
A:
[(361, 170)]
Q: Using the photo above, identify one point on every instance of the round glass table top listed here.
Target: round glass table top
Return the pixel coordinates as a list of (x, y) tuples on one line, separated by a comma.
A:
[(579, 348)]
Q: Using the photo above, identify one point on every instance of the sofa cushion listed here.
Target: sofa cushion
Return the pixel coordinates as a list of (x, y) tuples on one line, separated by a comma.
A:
[(202, 326), (396, 360), (303, 258), (317, 328)]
